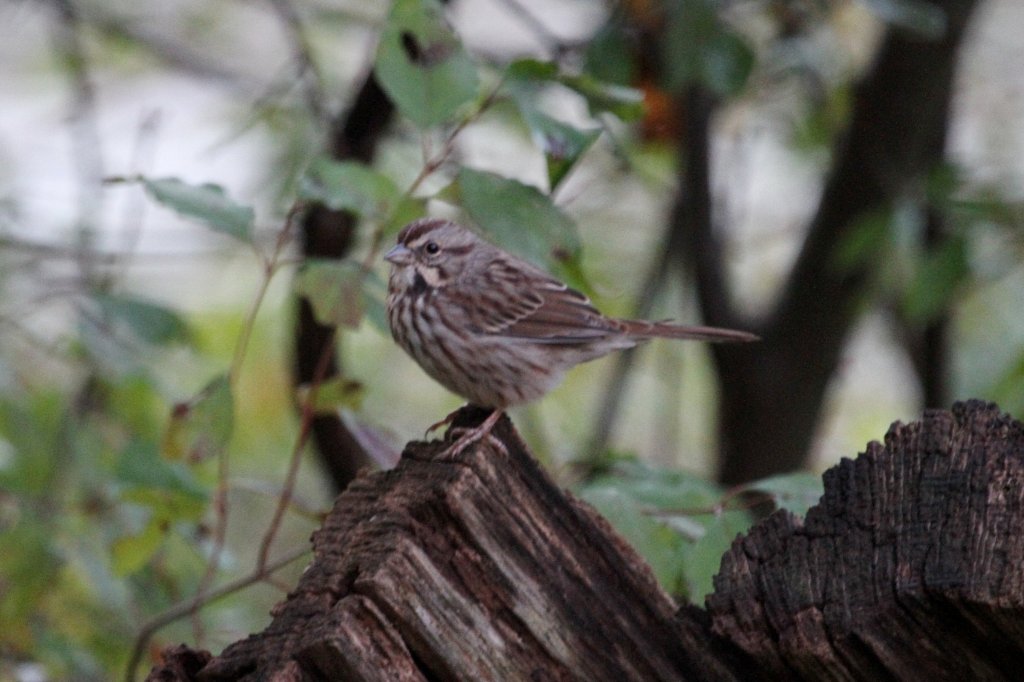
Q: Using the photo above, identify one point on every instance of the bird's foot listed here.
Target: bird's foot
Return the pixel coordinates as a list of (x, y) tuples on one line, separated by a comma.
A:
[(468, 436)]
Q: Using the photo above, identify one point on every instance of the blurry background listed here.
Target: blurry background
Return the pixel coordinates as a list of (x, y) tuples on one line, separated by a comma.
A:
[(877, 125)]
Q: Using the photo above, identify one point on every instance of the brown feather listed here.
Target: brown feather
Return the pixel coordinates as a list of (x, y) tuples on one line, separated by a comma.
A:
[(670, 330), (540, 309)]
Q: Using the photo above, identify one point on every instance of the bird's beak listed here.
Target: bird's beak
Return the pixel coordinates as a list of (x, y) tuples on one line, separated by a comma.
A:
[(399, 255)]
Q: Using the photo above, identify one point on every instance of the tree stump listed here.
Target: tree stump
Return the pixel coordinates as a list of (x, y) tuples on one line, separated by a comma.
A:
[(480, 568), (910, 567)]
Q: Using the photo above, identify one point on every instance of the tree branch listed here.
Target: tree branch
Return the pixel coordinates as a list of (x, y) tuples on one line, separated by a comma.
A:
[(611, 401), (698, 247), (306, 68)]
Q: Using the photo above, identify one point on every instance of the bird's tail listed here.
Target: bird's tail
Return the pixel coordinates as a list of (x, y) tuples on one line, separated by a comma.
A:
[(668, 330)]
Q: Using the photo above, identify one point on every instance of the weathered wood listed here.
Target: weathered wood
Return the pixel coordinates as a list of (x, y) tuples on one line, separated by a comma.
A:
[(911, 567), (474, 569)]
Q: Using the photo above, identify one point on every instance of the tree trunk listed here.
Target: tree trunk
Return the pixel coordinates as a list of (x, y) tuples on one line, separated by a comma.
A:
[(898, 121), (329, 234), (480, 568)]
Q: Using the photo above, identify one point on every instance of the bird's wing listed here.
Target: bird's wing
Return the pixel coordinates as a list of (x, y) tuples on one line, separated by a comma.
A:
[(529, 306)]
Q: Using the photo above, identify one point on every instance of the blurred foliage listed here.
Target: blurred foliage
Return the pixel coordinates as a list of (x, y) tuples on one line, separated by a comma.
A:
[(422, 64), (682, 524), (110, 478), (207, 203), (926, 274), (352, 186)]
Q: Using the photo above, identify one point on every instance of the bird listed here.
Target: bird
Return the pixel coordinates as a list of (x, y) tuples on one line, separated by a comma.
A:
[(496, 329)]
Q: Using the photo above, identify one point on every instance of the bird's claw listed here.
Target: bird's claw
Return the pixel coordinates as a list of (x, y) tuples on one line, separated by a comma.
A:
[(444, 422), (473, 435)]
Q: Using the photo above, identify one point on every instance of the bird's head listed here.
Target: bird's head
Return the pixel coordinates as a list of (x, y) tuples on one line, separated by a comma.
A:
[(432, 253)]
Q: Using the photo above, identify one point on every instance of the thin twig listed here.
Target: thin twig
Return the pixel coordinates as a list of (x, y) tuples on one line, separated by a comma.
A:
[(270, 266), (180, 55), (189, 606), (308, 412), (87, 147), (134, 208), (551, 42), (608, 411), (745, 497), (307, 71), (303, 508), (701, 248)]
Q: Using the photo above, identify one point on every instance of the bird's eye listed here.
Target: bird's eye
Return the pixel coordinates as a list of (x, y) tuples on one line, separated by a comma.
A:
[(432, 248)]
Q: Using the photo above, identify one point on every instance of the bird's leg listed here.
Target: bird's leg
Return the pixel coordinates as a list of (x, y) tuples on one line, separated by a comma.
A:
[(476, 433)]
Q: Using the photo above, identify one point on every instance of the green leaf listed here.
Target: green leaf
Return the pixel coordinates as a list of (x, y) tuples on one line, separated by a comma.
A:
[(407, 210), (334, 394), (728, 62), (526, 75), (562, 143), (355, 187), (129, 553), (939, 276), (201, 427), (944, 182), (148, 321), (1006, 390), (993, 209), (704, 558), (662, 488), (689, 507), (609, 55), (626, 103), (797, 492), (166, 505), (350, 186), (141, 466), (207, 203), (335, 289), (698, 48), (532, 70), (517, 217), (691, 25), (659, 545), (32, 430), (422, 65)]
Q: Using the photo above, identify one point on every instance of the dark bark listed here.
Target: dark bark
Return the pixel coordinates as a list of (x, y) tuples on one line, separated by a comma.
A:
[(932, 362), (180, 663), (896, 135), (911, 567), (328, 234), (928, 343)]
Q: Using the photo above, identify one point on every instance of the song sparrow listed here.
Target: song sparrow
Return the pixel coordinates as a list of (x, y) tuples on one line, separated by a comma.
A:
[(495, 329)]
